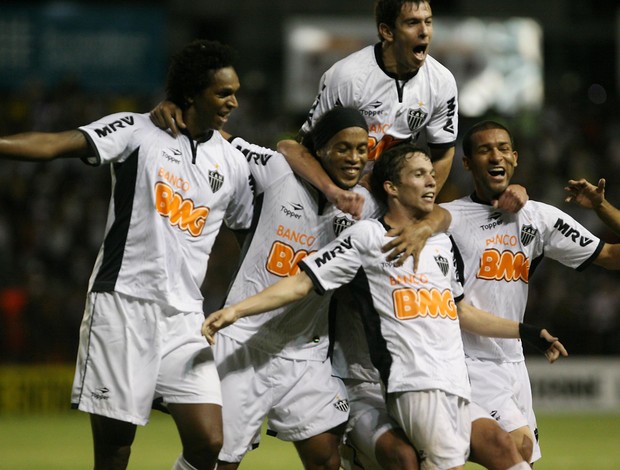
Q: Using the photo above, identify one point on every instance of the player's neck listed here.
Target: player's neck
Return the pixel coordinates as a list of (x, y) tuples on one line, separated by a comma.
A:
[(400, 217)]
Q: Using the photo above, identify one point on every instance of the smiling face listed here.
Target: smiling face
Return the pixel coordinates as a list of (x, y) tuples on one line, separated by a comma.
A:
[(416, 190), (492, 162), (345, 155), (407, 44), (211, 108)]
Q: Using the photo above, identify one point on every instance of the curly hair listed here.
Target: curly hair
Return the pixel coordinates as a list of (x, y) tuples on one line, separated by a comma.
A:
[(191, 70)]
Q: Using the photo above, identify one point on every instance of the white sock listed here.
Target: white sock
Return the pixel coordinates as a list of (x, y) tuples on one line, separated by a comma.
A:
[(520, 466), (182, 464)]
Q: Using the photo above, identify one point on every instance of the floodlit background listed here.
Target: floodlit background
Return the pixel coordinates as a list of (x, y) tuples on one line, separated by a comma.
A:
[(549, 69)]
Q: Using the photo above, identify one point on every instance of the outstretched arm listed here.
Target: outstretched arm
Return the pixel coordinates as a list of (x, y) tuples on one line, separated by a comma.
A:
[(585, 194), (307, 167), (41, 146), (483, 323), (277, 295)]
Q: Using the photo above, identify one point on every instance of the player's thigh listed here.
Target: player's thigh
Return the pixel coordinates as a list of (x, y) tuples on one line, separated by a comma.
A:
[(308, 399), (436, 423), (187, 374), (370, 430), (492, 389), (118, 357), (246, 395)]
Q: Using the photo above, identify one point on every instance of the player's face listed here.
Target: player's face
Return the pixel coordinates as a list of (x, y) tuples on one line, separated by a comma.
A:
[(417, 187), (412, 36), (492, 163), (345, 156), (214, 104)]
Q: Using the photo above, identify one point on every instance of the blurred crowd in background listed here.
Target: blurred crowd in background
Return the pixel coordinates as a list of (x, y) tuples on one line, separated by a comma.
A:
[(52, 215)]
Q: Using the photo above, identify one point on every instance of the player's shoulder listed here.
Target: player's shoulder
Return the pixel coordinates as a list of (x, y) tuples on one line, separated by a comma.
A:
[(362, 60), (437, 71)]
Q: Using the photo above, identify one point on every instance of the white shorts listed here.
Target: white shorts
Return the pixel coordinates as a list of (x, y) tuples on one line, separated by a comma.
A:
[(437, 423), (368, 420), (503, 389), (300, 399), (133, 351)]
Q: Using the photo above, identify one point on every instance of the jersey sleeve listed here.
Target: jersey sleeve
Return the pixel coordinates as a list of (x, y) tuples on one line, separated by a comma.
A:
[(442, 128), (566, 240), (334, 90), (266, 165), (113, 137), (240, 209), (338, 262)]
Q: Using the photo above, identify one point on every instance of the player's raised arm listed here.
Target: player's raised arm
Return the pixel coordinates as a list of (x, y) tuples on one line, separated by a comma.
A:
[(306, 166), (35, 146), (277, 295), (585, 194), (168, 116)]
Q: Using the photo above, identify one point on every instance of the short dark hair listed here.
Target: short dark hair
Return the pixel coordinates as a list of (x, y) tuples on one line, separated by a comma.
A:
[(386, 11), (478, 127), (191, 69), (388, 167)]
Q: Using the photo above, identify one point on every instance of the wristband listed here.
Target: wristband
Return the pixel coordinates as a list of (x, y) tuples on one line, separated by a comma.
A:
[(531, 335)]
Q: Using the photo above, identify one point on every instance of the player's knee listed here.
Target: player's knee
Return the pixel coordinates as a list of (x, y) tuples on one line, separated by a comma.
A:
[(524, 442), (403, 457)]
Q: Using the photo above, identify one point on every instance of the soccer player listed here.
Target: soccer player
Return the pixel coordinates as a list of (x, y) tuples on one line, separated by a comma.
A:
[(401, 90), (585, 194), (140, 335), (276, 366), (418, 349), (500, 253)]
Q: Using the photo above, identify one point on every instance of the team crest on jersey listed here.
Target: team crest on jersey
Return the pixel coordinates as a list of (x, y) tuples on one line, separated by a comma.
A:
[(340, 223), (528, 232), (443, 264), (415, 118), (216, 180), (342, 405)]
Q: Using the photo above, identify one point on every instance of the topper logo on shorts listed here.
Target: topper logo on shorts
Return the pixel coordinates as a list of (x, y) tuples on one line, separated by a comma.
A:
[(571, 233), (101, 393), (180, 212), (114, 126), (504, 266), (411, 303)]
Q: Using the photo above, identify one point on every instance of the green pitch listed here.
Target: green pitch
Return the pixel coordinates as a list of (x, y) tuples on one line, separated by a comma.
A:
[(62, 442)]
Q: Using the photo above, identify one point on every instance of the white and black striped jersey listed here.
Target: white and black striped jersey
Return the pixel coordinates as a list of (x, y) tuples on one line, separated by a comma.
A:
[(500, 253), (169, 198), (410, 318), (294, 220), (395, 110)]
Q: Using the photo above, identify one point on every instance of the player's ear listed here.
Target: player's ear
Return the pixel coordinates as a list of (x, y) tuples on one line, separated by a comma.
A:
[(390, 189), (386, 32), (516, 157), (466, 163)]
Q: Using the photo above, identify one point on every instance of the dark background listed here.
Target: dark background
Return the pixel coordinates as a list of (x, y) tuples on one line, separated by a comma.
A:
[(52, 215)]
